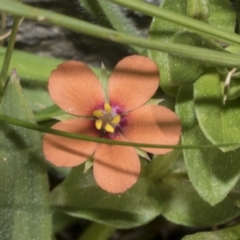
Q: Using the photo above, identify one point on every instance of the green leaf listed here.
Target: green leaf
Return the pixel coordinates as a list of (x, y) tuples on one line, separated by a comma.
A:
[(24, 211), (212, 172), (182, 70), (230, 233), (185, 71), (94, 8), (79, 196), (184, 206), (222, 15), (219, 123), (143, 154)]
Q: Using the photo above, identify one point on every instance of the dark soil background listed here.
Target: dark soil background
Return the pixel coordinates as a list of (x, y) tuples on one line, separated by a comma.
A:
[(56, 42)]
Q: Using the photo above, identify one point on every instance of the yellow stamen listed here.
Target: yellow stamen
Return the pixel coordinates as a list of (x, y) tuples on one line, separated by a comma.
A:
[(98, 124), (98, 113), (109, 128), (107, 108), (116, 119)]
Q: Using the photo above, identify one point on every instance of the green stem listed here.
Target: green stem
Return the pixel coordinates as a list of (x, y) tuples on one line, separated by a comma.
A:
[(35, 127), (8, 55), (161, 165), (97, 231), (201, 54)]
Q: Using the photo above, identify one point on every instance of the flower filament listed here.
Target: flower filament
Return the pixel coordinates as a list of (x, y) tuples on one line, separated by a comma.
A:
[(106, 119)]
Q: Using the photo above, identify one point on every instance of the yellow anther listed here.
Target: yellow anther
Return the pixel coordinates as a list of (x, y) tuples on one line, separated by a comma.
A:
[(116, 119), (106, 119), (107, 108), (98, 113), (98, 124), (109, 128)]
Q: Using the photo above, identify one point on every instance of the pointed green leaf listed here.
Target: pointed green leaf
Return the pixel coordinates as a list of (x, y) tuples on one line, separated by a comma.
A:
[(79, 196), (24, 211), (212, 172), (143, 154)]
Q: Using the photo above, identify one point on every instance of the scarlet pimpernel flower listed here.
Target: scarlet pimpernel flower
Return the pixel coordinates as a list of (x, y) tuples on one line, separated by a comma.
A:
[(120, 116)]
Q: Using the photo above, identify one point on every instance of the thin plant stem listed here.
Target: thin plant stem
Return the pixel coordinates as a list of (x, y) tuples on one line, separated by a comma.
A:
[(39, 128), (179, 19), (197, 53), (8, 55)]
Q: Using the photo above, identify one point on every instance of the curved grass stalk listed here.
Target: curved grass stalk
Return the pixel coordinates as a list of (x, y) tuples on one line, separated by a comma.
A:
[(6, 62), (200, 54), (189, 23), (36, 127)]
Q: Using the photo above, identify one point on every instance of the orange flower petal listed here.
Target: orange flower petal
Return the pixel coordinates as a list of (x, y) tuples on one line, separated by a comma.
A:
[(153, 124), (74, 87), (116, 168), (67, 152), (133, 82)]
